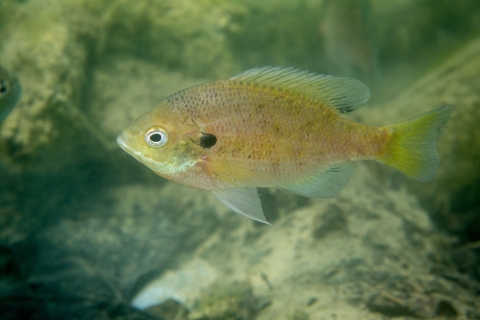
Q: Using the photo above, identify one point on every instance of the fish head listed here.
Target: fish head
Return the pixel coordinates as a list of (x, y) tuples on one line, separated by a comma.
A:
[(162, 140)]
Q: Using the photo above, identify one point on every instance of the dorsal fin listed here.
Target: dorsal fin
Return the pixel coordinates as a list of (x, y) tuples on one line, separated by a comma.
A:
[(343, 94)]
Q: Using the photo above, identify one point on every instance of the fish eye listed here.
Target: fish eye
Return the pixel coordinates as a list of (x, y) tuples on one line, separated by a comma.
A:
[(156, 137), (3, 87)]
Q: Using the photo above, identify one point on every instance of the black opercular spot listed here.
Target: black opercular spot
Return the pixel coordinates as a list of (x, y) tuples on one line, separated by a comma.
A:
[(207, 140)]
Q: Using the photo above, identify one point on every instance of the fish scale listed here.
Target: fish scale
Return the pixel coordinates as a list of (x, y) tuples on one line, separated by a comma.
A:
[(274, 140)]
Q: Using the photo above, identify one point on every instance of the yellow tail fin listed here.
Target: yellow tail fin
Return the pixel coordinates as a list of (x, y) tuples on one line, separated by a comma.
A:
[(413, 145)]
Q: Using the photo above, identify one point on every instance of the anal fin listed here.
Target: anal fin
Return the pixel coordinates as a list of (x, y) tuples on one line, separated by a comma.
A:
[(324, 184)]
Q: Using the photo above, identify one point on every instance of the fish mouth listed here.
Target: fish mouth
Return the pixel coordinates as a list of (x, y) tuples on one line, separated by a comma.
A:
[(122, 142)]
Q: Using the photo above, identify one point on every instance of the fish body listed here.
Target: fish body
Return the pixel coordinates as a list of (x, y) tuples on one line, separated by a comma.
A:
[(10, 92), (275, 127)]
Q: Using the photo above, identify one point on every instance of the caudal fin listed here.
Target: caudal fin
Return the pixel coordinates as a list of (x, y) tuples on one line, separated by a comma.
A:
[(413, 145)]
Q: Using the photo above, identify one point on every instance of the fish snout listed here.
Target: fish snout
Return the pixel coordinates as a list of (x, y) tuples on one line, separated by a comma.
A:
[(122, 141)]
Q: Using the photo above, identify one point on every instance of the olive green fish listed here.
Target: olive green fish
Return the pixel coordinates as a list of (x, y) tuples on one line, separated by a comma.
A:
[(10, 92), (275, 127)]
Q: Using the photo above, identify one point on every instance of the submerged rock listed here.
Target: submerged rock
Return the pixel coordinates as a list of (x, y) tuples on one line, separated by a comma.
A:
[(369, 253), (452, 197), (50, 61)]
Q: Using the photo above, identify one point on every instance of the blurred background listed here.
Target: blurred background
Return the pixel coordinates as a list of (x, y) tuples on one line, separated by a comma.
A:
[(88, 232)]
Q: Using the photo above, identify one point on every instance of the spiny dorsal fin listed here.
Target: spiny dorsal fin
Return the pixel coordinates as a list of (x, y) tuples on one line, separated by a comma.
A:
[(343, 94)]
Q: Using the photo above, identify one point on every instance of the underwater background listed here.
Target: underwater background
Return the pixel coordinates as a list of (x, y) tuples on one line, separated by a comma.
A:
[(87, 232)]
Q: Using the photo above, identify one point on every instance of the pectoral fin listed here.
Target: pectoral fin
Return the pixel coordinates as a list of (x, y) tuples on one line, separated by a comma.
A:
[(243, 201), (325, 184), (241, 174)]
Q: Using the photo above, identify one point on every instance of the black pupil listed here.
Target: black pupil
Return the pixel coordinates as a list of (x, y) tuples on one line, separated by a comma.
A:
[(156, 137)]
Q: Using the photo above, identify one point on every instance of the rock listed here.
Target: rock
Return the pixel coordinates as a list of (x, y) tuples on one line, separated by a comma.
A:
[(49, 62), (369, 253), (453, 196), (170, 309), (96, 259)]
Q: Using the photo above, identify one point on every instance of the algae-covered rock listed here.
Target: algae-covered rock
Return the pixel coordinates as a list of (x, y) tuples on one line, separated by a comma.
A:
[(370, 253), (189, 35), (90, 257), (49, 62), (231, 300), (453, 195)]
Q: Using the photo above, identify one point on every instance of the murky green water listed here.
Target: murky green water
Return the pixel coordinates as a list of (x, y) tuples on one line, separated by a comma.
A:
[(88, 232)]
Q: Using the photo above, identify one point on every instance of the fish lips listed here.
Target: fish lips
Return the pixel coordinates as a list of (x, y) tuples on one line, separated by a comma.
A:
[(122, 142)]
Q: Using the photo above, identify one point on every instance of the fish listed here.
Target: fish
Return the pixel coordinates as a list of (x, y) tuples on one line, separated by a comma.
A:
[(10, 92), (275, 127)]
